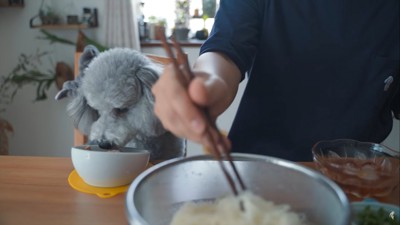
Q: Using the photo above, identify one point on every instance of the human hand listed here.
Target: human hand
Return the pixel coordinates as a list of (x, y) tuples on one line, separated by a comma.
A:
[(188, 111)]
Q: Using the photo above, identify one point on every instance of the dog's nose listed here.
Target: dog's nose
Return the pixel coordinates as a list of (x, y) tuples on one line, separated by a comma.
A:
[(105, 144)]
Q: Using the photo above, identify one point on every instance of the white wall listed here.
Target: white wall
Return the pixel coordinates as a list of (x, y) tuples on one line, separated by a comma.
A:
[(43, 128), (40, 128)]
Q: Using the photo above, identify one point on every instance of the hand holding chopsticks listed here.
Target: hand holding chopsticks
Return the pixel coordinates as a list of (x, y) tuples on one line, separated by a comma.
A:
[(214, 139)]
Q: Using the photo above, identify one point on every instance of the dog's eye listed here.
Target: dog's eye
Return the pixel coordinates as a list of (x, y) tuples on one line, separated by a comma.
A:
[(119, 111)]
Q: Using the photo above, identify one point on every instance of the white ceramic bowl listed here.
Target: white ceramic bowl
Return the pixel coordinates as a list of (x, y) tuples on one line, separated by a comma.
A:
[(103, 168)]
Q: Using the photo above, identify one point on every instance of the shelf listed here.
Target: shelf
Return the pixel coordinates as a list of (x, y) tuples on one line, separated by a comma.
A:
[(62, 27), (157, 43), (11, 6), (11, 3), (52, 22)]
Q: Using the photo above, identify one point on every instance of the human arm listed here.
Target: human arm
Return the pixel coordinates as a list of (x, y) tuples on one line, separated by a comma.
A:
[(214, 87), (225, 57)]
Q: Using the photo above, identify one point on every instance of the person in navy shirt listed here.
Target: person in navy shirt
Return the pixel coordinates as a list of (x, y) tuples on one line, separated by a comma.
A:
[(316, 70)]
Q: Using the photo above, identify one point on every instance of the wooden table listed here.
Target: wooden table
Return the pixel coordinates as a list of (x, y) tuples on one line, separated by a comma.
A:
[(35, 190)]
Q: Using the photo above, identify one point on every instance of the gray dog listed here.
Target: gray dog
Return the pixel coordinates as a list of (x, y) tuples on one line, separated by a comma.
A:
[(112, 103)]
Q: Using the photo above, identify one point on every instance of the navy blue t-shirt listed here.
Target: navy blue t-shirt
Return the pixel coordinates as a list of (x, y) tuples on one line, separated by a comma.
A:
[(317, 70)]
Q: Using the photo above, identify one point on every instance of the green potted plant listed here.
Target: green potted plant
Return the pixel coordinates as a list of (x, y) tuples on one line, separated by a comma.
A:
[(181, 29), (46, 15), (157, 26), (5, 130), (27, 72), (209, 8), (203, 33)]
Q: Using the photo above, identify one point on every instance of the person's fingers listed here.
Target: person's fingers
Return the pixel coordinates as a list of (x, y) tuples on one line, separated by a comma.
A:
[(187, 73), (208, 93), (175, 109), (191, 117), (168, 118)]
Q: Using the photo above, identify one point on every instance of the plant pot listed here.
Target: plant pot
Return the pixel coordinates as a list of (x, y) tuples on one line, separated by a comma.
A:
[(49, 20), (158, 32), (181, 34), (155, 31), (202, 34), (5, 130)]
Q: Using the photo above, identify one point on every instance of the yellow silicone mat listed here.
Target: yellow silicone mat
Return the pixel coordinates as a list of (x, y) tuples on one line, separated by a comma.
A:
[(77, 183)]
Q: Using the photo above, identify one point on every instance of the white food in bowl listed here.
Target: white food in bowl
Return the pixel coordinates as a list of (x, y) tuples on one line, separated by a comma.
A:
[(103, 168), (227, 211)]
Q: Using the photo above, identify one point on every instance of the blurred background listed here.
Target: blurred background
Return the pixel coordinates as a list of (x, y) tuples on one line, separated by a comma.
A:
[(42, 38)]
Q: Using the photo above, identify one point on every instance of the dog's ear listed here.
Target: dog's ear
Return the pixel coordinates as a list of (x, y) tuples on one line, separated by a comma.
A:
[(70, 88), (89, 53), (148, 75), (83, 116)]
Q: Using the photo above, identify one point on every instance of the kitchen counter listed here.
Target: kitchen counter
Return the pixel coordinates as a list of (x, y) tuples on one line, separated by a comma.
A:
[(35, 190)]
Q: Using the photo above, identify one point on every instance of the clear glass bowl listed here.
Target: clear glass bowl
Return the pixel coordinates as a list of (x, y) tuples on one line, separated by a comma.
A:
[(362, 169)]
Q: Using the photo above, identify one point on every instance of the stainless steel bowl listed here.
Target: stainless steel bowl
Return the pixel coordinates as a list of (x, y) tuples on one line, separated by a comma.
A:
[(156, 194)]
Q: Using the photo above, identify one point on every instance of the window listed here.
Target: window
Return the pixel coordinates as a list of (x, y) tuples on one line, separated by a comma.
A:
[(166, 10)]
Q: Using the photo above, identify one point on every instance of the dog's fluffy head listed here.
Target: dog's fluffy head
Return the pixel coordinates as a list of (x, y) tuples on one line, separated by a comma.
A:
[(117, 83), (111, 100)]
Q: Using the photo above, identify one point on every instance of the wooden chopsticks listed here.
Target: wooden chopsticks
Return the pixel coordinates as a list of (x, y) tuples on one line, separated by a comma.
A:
[(215, 142)]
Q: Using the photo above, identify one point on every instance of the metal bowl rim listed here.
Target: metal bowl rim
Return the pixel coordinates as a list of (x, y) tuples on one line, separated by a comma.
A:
[(134, 218)]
